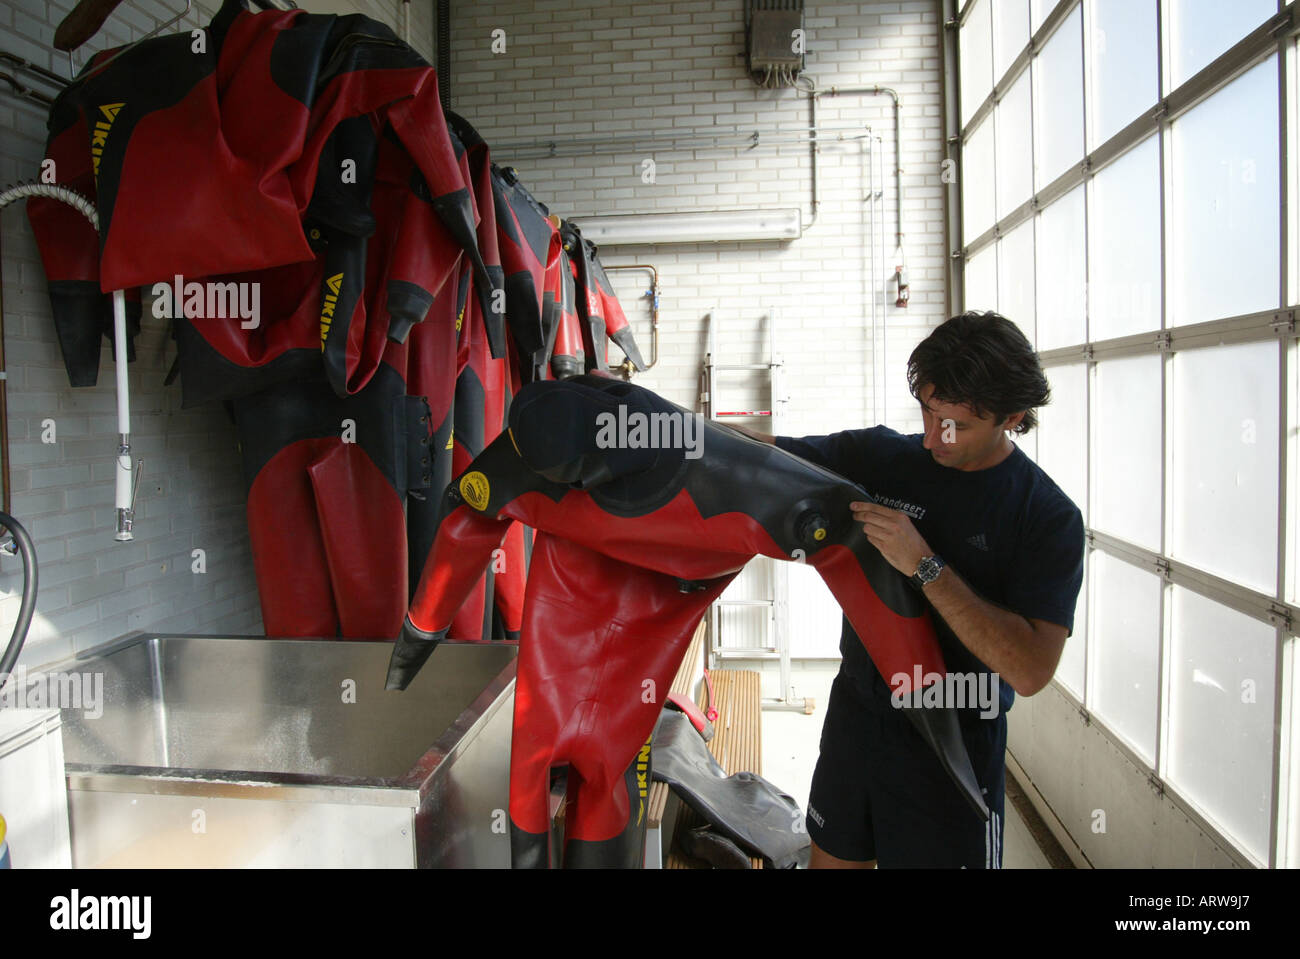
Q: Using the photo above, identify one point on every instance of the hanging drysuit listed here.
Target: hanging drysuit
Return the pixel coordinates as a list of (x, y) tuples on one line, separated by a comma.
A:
[(598, 308), (305, 157), (528, 243), (231, 160), (644, 512)]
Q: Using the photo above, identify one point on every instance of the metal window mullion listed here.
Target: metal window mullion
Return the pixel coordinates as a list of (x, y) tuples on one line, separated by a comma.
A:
[(1246, 328), (1021, 63), (1251, 51), (1280, 766), (1164, 628), (1089, 652), (1290, 172), (1225, 592), (953, 196), (1085, 21), (963, 14), (1285, 680), (1089, 372), (1284, 744)]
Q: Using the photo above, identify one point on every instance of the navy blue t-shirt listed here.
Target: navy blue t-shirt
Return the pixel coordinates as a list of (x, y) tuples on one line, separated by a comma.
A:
[(1008, 531)]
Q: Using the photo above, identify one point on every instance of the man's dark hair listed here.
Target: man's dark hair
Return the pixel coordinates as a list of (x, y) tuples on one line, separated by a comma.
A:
[(983, 361)]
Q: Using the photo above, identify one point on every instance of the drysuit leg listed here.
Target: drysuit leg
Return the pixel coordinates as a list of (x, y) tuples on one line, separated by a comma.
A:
[(289, 559), (602, 640)]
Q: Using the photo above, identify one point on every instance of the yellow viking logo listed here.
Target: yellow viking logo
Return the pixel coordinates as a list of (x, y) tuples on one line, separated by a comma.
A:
[(99, 135), (475, 490), (642, 777), (327, 308)]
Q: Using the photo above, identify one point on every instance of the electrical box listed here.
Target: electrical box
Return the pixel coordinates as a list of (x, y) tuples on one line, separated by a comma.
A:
[(775, 41)]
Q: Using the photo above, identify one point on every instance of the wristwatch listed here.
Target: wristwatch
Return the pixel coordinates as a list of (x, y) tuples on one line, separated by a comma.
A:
[(927, 571)]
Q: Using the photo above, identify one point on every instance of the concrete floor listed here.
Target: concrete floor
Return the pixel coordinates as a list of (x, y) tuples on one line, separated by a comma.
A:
[(790, 742)]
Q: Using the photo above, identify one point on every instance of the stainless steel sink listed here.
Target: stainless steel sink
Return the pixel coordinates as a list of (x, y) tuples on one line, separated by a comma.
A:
[(218, 751)]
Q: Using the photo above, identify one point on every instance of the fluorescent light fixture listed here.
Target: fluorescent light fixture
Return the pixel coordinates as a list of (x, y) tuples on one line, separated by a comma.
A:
[(717, 227)]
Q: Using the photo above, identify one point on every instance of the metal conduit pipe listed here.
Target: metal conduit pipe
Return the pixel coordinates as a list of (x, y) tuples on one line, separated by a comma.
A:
[(898, 139), (124, 498), (26, 66), (626, 367), (25, 92)]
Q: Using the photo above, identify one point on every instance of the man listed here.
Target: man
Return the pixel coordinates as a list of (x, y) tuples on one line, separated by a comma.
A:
[(996, 549)]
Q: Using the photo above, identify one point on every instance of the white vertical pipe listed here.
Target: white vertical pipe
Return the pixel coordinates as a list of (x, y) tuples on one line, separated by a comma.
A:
[(122, 498)]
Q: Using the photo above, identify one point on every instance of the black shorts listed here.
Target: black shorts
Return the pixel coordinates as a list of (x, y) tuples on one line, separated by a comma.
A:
[(880, 793)]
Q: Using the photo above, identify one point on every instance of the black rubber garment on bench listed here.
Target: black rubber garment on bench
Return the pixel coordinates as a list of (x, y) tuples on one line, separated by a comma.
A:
[(745, 808)]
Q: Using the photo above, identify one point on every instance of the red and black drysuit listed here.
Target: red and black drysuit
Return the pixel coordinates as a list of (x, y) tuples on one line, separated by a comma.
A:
[(598, 308), (529, 246), (229, 161), (633, 543), (307, 154)]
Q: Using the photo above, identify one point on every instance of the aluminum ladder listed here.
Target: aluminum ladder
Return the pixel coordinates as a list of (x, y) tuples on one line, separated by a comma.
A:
[(777, 622)]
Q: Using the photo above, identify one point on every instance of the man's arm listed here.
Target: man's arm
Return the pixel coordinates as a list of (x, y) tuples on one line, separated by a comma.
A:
[(753, 434), (1023, 651)]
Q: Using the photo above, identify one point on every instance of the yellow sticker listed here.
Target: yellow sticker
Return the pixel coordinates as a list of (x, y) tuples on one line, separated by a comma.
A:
[(475, 490), (819, 535), (451, 440)]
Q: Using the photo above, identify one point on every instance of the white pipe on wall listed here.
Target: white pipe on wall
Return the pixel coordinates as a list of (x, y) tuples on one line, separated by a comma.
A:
[(123, 494)]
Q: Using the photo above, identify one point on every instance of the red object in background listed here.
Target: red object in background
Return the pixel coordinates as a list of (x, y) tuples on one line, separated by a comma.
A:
[(904, 291)]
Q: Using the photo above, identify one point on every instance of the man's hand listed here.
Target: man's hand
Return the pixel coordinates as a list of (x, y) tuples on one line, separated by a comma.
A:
[(1024, 652), (891, 531)]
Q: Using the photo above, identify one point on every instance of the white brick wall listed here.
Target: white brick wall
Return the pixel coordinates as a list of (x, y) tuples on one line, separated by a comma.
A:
[(93, 589), (577, 69)]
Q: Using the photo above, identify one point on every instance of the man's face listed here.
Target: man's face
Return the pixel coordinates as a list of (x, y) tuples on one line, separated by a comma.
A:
[(959, 439)]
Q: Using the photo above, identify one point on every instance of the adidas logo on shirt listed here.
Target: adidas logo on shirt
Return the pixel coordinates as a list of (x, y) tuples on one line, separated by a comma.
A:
[(978, 542)]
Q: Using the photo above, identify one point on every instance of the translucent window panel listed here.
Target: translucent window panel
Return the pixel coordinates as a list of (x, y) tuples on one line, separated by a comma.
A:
[(977, 181), (1125, 644), (1063, 432), (1124, 245), (1201, 30), (1126, 456), (975, 53), (1225, 517), (981, 277), (1224, 232), (1016, 277), (1015, 154), (1038, 11), (1062, 273), (1070, 670), (1010, 33), (1058, 108), (1220, 736), (1125, 68)]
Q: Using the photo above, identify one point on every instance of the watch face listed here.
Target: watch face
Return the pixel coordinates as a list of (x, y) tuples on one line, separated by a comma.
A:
[(928, 569)]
